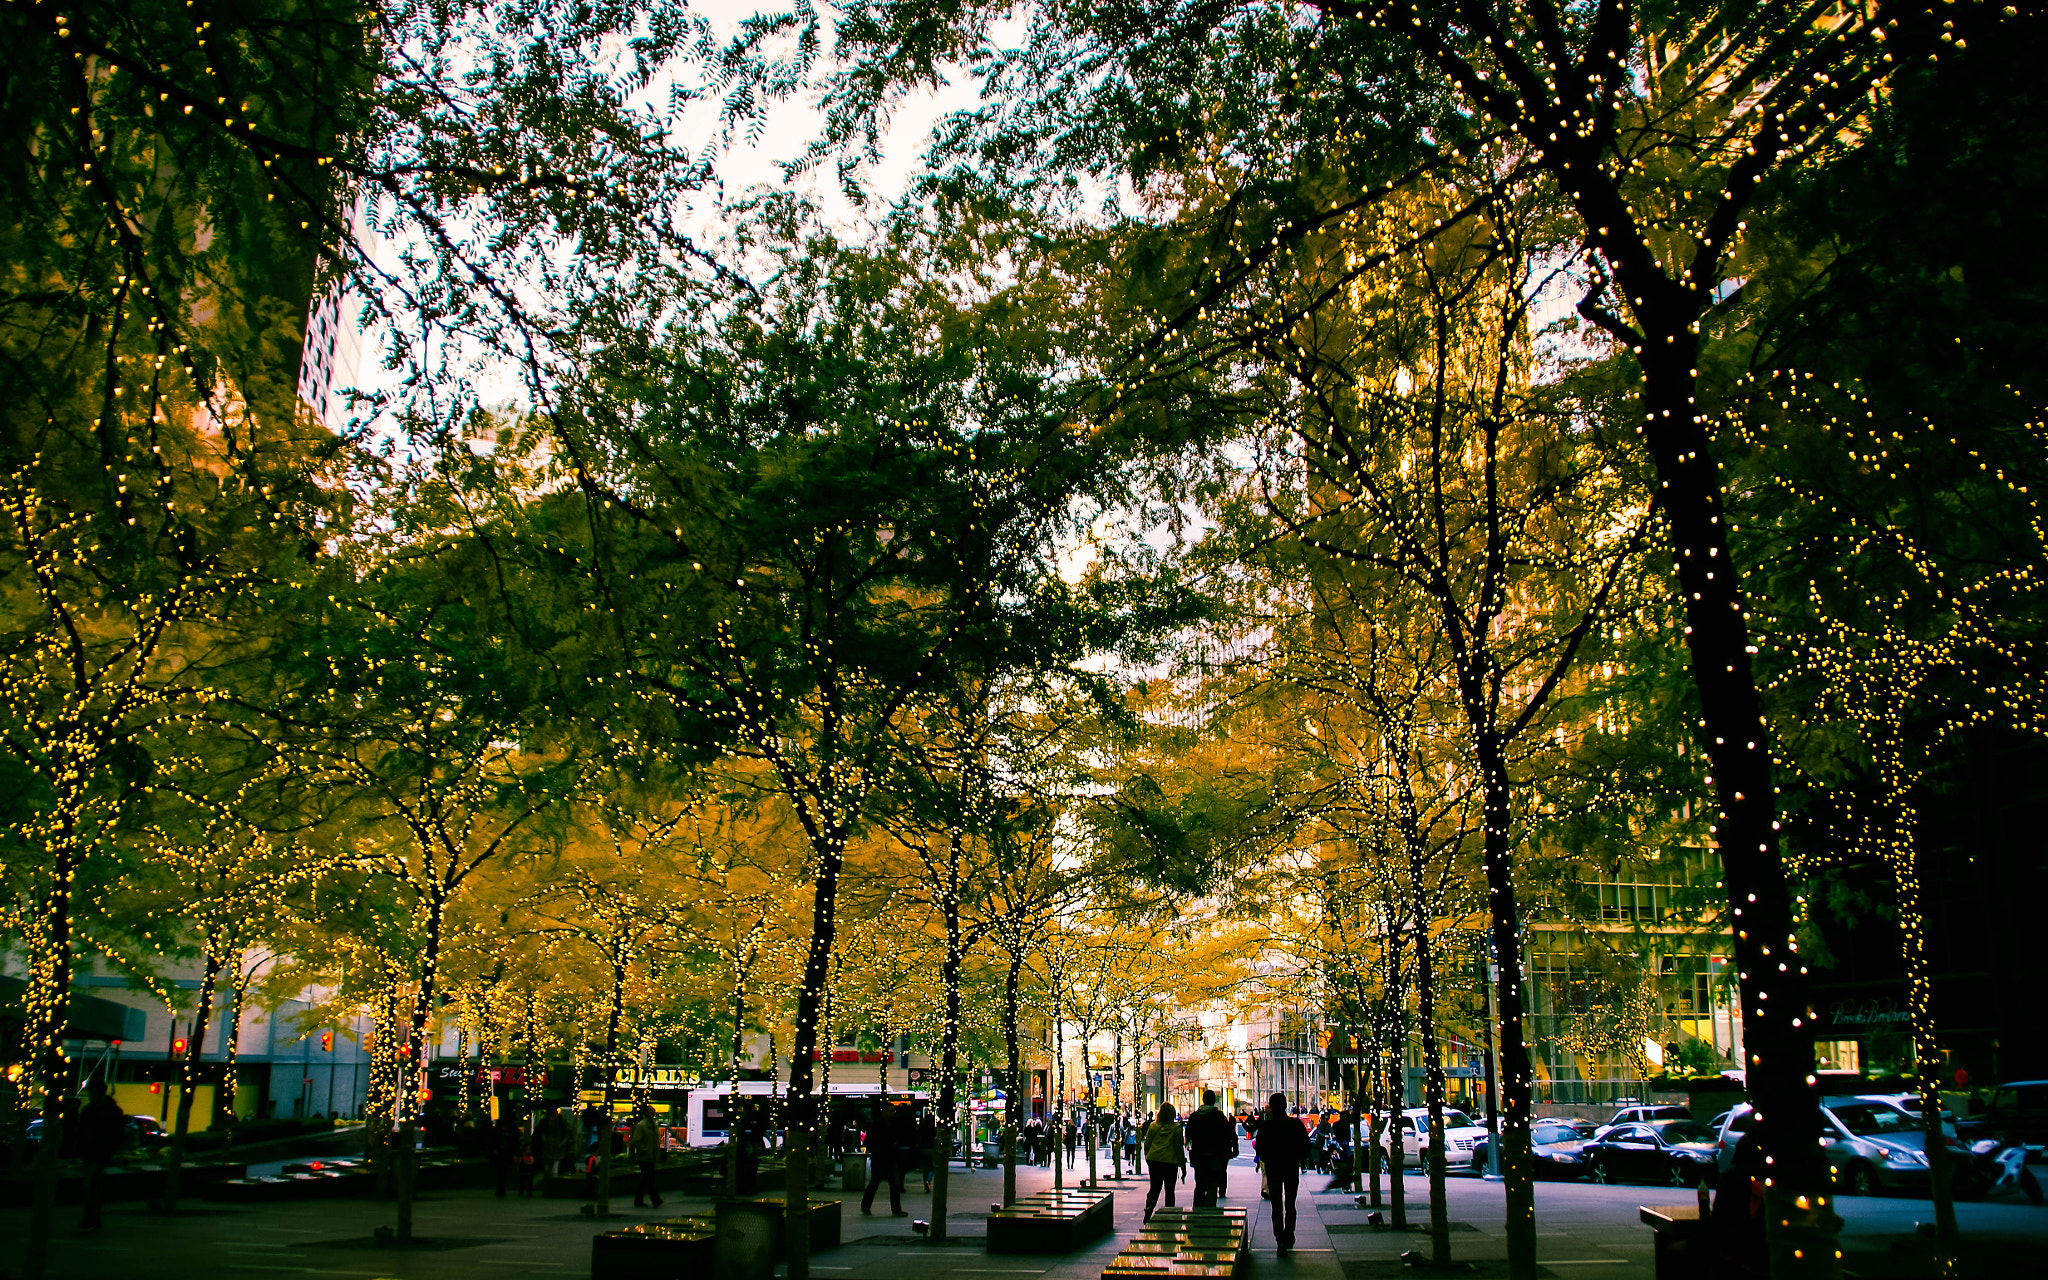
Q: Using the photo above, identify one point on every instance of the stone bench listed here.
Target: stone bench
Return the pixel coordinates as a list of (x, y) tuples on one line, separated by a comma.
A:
[(1184, 1242), (826, 1223), (1682, 1241), (654, 1250), (1050, 1222)]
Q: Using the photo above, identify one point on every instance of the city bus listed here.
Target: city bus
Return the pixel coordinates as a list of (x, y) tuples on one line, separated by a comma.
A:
[(709, 1109)]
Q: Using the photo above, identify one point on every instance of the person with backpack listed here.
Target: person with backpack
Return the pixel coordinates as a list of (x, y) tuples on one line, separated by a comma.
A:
[(1212, 1141), (1282, 1144), (1165, 1153)]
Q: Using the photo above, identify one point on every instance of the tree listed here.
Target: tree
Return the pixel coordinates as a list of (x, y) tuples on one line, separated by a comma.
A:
[(217, 876), (1664, 128), (1478, 501), (804, 511), (417, 706)]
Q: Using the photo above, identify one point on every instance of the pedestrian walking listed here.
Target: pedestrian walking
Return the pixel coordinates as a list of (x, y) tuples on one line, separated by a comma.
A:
[(1165, 1153), (533, 1158), (101, 1127), (1282, 1143), (557, 1141), (889, 1139), (1212, 1141), (927, 1139), (643, 1148), (506, 1141)]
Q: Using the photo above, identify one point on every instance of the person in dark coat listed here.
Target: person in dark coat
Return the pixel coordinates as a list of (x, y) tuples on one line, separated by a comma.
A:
[(643, 1148), (1282, 1144), (1212, 1141), (751, 1132), (533, 1158), (100, 1128), (506, 1144), (1738, 1211), (889, 1139)]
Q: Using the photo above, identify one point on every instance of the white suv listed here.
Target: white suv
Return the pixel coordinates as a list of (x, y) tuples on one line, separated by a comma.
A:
[(1643, 1115), (1460, 1134)]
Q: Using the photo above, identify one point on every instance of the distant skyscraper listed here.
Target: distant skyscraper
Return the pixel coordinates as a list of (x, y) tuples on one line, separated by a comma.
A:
[(329, 365), (332, 353)]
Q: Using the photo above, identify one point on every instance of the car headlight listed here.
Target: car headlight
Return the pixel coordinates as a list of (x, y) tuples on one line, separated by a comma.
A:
[(1565, 1157), (1911, 1159)]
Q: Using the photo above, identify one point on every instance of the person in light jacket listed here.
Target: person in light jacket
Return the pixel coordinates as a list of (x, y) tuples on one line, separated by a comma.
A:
[(1165, 1153)]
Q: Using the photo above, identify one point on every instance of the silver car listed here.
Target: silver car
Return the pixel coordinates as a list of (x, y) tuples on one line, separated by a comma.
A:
[(1871, 1144)]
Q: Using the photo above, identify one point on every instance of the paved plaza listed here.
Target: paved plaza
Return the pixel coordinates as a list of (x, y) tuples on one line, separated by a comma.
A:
[(1586, 1232)]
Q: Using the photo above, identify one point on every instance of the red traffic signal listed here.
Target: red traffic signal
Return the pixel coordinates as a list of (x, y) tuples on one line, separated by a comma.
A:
[(178, 1048), (327, 1042)]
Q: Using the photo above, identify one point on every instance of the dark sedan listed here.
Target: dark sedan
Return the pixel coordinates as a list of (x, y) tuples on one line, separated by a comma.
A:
[(1677, 1153), (1557, 1147)]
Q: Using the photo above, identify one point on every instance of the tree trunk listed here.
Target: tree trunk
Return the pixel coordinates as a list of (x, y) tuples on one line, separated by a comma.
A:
[(949, 1041), (1116, 1091), (1432, 1055), (1799, 1218), (732, 1100), (231, 1044), (802, 1118), (1015, 1051), (412, 1062), (1516, 1075), (602, 1207), (48, 997), (1926, 1050), (188, 1081), (1056, 1115), (1397, 1094)]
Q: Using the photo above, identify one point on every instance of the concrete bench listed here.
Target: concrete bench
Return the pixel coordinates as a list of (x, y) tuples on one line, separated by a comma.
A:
[(825, 1220), (1050, 1222), (1682, 1246), (1184, 1243)]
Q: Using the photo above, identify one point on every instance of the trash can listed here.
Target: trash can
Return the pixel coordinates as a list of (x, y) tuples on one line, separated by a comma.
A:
[(855, 1175), (746, 1240)]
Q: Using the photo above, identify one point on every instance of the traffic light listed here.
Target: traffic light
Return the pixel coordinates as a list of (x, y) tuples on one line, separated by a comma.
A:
[(327, 1042), (178, 1047)]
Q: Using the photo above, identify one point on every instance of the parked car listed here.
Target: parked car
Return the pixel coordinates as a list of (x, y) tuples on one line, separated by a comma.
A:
[(1643, 1115), (1736, 1121), (1873, 1145), (1678, 1153), (1460, 1135), (147, 1133), (1558, 1149), (1584, 1128), (2017, 1112)]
